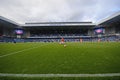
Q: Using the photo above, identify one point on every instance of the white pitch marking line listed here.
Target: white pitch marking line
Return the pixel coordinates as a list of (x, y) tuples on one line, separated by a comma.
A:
[(60, 75), (20, 51)]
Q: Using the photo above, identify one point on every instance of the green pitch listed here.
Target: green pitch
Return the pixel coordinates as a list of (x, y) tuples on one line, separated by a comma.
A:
[(54, 58)]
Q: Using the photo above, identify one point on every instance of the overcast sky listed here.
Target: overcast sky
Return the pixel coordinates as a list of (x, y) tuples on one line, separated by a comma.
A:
[(23, 11)]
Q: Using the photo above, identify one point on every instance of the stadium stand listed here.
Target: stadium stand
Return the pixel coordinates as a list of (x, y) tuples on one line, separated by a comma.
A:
[(105, 30)]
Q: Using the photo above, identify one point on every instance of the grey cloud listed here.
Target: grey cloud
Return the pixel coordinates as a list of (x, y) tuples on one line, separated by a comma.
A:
[(23, 11)]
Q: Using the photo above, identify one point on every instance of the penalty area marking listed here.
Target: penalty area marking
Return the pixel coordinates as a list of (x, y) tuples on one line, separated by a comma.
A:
[(21, 51), (60, 75)]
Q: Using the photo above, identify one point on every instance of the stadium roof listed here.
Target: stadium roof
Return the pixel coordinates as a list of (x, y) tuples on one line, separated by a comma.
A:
[(8, 22), (115, 18), (59, 24)]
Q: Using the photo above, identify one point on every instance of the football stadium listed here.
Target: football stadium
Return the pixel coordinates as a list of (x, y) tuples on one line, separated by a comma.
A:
[(60, 50)]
